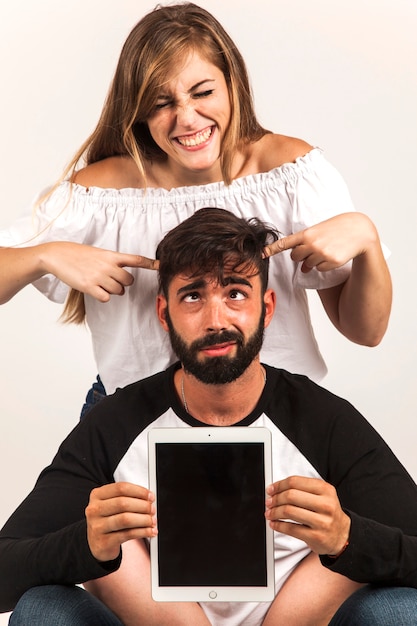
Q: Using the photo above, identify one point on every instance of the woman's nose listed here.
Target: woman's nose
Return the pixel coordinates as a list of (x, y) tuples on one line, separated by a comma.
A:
[(186, 114)]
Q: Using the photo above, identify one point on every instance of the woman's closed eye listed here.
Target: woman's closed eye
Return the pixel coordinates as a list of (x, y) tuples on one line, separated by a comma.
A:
[(203, 94), (162, 104)]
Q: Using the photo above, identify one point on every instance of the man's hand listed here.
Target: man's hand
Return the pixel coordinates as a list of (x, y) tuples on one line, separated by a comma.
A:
[(314, 506), (117, 513), (329, 244)]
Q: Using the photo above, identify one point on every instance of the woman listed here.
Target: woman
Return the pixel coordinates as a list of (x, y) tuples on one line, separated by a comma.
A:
[(177, 133)]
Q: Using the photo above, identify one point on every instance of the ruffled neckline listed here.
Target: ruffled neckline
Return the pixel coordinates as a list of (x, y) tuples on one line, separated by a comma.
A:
[(285, 172)]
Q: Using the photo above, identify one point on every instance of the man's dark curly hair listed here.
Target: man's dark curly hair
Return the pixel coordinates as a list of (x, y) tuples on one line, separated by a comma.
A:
[(211, 240)]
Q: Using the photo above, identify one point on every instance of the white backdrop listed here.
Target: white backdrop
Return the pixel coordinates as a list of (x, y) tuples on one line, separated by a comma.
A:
[(341, 75)]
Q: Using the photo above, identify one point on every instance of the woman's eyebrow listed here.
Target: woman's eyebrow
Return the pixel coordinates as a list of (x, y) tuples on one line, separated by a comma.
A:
[(163, 96), (201, 82)]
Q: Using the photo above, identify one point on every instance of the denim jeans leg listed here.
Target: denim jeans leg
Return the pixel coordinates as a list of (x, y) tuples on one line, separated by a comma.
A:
[(58, 605), (378, 606), (94, 395)]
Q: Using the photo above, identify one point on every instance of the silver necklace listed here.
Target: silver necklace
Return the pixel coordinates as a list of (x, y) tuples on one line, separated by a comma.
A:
[(184, 401)]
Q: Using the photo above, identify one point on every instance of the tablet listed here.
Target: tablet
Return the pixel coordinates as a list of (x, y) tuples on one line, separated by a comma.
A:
[(213, 542)]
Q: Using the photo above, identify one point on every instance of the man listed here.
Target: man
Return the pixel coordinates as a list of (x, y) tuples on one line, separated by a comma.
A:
[(343, 508)]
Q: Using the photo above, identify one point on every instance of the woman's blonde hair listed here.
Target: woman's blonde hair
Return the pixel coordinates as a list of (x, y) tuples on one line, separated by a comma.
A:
[(157, 44)]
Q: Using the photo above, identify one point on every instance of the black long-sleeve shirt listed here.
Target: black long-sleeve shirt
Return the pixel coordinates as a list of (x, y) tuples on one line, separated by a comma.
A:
[(314, 433)]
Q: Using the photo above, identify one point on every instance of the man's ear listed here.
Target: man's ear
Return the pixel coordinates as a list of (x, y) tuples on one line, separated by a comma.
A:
[(161, 310), (270, 302)]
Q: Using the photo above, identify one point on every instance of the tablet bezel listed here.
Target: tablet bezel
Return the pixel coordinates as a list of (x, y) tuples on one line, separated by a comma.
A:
[(207, 434)]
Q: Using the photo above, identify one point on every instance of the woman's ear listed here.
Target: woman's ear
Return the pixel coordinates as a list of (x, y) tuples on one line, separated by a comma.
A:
[(161, 310)]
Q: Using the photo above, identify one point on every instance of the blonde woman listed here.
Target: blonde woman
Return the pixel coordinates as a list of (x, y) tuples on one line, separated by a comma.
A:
[(178, 132)]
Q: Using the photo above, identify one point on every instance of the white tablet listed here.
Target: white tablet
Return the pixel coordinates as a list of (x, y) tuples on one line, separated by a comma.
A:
[(213, 542)]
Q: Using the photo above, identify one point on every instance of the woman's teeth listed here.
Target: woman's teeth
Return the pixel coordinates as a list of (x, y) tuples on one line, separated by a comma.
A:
[(195, 140)]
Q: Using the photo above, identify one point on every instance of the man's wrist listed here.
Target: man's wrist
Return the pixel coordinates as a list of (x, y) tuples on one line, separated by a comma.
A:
[(336, 556)]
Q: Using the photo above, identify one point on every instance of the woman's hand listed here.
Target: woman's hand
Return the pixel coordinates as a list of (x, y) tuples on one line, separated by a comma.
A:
[(360, 306), (94, 271), (90, 270), (329, 244)]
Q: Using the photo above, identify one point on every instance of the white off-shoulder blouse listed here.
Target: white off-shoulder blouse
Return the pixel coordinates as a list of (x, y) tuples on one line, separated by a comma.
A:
[(128, 341)]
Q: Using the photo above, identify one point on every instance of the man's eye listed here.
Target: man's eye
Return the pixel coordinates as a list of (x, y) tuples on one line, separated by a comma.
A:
[(191, 297), (237, 295)]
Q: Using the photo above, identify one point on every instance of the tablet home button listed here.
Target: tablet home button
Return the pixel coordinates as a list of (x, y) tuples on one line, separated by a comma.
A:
[(212, 595)]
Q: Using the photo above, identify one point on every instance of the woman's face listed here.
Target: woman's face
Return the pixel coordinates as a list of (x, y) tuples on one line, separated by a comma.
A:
[(191, 118)]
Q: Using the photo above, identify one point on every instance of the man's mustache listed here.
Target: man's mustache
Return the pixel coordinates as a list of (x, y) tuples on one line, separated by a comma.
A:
[(213, 339)]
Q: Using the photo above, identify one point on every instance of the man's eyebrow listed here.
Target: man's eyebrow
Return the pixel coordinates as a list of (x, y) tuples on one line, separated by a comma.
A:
[(200, 283), (236, 280)]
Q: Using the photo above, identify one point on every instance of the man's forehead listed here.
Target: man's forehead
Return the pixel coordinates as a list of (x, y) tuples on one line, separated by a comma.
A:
[(226, 277)]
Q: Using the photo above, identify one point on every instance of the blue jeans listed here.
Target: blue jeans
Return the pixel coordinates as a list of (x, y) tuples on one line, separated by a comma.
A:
[(94, 395), (378, 606), (56, 605)]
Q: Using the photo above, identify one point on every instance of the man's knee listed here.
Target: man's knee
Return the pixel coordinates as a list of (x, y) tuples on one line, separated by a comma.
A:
[(384, 606), (58, 605)]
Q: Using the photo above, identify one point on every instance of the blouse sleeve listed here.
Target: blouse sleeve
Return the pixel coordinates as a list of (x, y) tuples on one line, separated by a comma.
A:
[(317, 194), (55, 215)]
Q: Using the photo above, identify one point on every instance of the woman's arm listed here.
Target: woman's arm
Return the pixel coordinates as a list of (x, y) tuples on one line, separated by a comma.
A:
[(359, 307), (88, 269), (18, 267)]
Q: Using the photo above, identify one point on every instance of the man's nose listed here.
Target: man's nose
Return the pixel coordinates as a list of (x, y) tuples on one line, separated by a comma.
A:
[(215, 316)]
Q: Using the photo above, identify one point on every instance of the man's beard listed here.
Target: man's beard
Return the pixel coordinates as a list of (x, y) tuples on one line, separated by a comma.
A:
[(220, 369)]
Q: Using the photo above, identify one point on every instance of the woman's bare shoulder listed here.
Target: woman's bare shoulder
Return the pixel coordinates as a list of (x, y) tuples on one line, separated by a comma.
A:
[(111, 173), (274, 150)]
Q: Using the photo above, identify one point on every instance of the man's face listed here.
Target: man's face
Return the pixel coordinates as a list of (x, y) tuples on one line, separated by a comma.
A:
[(216, 330)]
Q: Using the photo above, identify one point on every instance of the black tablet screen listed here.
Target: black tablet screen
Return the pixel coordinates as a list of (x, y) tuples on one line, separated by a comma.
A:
[(210, 509)]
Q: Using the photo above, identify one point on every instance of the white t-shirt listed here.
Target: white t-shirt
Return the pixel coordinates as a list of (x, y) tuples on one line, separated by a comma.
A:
[(128, 341)]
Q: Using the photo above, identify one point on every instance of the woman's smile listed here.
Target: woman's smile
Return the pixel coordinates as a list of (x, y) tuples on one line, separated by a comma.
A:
[(197, 139)]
